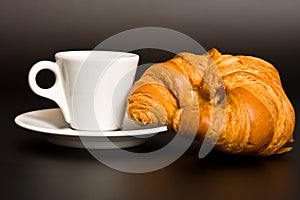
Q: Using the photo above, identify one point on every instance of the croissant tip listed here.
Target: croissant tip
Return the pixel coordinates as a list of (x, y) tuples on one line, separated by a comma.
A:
[(284, 150), (214, 53), (214, 49)]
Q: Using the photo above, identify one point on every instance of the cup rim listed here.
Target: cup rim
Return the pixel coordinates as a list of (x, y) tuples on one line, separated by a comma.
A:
[(83, 54)]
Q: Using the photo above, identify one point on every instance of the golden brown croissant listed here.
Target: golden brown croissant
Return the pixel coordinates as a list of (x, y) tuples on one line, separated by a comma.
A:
[(258, 118)]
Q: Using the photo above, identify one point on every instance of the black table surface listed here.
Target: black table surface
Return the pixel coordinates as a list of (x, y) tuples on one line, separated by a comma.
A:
[(32, 168)]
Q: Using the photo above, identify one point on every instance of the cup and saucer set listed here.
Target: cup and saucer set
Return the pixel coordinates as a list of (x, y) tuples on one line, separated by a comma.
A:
[(91, 89)]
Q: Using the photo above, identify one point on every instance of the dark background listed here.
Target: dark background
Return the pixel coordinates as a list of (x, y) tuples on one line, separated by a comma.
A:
[(33, 30)]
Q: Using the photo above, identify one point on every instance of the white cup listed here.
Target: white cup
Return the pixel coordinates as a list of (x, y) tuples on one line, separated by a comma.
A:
[(90, 87)]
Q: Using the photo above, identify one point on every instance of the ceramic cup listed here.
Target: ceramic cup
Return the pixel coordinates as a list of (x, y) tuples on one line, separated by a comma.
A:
[(90, 87)]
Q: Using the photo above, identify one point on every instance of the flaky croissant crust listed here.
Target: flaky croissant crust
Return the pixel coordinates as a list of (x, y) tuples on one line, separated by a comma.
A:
[(259, 118)]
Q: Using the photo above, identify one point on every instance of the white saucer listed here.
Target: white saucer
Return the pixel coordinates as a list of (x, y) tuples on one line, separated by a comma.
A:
[(51, 122)]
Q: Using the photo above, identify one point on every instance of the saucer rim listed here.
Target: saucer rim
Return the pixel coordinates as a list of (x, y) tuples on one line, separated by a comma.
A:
[(68, 131)]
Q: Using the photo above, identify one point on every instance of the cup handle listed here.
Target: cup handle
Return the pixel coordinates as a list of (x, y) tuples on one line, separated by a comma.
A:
[(56, 92)]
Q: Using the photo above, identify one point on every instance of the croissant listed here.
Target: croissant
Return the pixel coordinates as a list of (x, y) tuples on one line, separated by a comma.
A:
[(256, 117)]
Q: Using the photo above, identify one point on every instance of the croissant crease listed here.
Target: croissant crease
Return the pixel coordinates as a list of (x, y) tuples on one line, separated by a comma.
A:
[(184, 93)]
